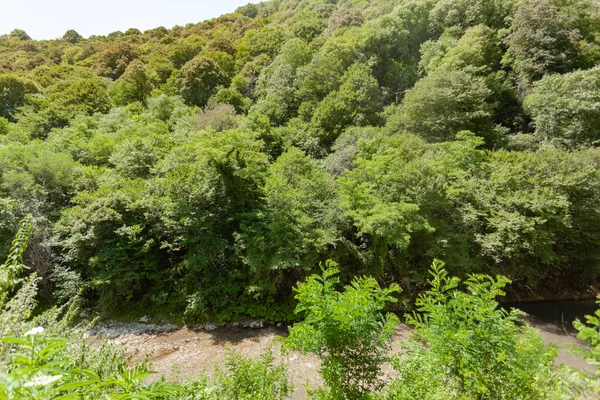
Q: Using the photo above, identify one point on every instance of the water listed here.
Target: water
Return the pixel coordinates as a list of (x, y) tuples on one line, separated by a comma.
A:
[(559, 313)]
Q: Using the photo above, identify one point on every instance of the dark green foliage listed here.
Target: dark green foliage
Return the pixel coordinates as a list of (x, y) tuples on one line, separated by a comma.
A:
[(13, 94), (208, 168), (357, 102), (72, 36), (199, 79), (295, 227), (20, 33), (134, 85), (546, 37), (446, 102), (12, 268)]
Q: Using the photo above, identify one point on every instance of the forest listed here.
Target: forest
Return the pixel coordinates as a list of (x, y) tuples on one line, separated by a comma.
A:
[(245, 166)]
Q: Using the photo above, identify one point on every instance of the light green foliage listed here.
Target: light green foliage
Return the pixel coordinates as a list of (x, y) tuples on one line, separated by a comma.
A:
[(521, 208), (4, 126), (477, 52), (444, 103), (218, 117), (589, 331), (357, 102), (38, 177), (465, 13), (165, 169), (40, 368), (38, 362), (566, 108), (277, 83), (246, 379), (167, 108), (255, 42), (346, 330), (477, 349), (324, 72), (399, 209), (63, 102), (12, 268), (239, 378)]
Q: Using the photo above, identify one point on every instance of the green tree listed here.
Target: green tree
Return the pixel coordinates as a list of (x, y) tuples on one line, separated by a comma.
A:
[(14, 92), (566, 108), (357, 102), (444, 103), (544, 39), (135, 84), (198, 80), (20, 33), (113, 61), (72, 36), (465, 13), (295, 226), (399, 200)]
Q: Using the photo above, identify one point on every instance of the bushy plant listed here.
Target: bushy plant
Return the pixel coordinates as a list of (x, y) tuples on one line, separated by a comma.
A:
[(243, 378), (346, 330), (240, 378), (40, 368), (475, 349), (589, 331)]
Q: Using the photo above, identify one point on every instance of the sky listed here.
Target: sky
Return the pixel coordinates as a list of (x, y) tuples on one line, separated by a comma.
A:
[(50, 19)]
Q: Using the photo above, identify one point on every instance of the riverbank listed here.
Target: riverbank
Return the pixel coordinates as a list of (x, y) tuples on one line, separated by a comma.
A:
[(182, 352)]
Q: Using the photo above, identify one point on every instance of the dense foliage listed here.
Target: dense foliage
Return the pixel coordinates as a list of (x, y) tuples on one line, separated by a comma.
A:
[(205, 169), (464, 347)]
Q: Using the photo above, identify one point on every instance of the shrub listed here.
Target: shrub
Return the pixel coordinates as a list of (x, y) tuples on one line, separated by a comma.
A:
[(242, 378), (475, 350), (346, 330)]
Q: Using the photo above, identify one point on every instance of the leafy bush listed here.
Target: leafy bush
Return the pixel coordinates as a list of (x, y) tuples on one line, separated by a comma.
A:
[(475, 350), (242, 378), (346, 330), (590, 332)]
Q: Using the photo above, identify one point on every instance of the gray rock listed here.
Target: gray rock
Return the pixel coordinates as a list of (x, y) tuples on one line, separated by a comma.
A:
[(256, 324), (210, 327), (145, 319)]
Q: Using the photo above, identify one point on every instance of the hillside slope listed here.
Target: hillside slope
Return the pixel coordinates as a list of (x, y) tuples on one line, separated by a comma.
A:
[(206, 169)]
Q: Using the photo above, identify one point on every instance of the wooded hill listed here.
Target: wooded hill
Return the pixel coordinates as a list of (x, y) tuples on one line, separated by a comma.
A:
[(206, 169)]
